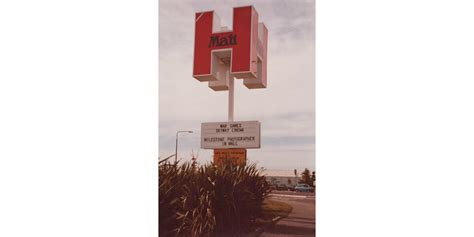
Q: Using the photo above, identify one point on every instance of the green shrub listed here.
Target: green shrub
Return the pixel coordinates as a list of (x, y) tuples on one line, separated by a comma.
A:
[(209, 200)]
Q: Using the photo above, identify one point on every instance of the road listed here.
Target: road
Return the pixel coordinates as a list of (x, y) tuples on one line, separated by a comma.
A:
[(301, 220)]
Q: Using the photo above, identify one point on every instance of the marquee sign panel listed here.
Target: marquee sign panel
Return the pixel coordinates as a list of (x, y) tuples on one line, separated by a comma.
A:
[(243, 134)]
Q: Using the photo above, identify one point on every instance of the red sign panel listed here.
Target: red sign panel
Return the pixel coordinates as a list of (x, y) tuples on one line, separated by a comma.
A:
[(245, 45)]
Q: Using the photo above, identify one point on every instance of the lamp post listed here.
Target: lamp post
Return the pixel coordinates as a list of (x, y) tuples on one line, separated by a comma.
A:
[(176, 152)]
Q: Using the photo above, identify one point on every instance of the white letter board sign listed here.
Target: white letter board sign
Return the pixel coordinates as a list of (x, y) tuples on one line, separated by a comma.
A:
[(238, 134)]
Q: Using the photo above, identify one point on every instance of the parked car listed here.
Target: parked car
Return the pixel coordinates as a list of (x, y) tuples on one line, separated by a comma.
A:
[(282, 187), (303, 188)]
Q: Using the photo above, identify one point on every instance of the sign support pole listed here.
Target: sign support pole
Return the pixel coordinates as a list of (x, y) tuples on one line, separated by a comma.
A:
[(231, 114), (231, 99)]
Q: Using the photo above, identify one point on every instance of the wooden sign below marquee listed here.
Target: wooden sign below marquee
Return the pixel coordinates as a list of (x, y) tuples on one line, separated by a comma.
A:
[(234, 156)]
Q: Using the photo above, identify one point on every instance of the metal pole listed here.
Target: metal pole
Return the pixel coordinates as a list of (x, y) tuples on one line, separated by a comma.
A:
[(176, 151), (231, 99)]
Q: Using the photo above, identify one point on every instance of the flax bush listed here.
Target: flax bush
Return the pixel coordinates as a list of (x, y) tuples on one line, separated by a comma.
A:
[(209, 200)]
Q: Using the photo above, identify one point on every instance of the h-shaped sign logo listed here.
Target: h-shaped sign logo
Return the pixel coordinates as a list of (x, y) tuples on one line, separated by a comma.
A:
[(221, 54)]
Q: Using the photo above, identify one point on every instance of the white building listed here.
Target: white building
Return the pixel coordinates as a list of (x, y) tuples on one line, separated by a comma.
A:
[(286, 177)]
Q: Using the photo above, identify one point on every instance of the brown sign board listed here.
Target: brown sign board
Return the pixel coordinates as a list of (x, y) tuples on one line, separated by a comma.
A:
[(234, 155)]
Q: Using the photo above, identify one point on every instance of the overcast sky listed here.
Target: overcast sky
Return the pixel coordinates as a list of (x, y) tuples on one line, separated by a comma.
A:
[(285, 108)]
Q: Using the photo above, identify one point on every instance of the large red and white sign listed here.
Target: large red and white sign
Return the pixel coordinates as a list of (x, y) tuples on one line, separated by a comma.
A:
[(220, 53)]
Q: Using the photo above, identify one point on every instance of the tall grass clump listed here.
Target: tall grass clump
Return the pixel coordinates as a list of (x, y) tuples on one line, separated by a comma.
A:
[(210, 200)]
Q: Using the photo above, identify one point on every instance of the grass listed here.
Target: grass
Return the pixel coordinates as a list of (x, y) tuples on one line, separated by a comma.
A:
[(272, 209)]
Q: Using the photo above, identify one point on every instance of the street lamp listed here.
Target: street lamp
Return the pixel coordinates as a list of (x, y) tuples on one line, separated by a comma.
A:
[(176, 152)]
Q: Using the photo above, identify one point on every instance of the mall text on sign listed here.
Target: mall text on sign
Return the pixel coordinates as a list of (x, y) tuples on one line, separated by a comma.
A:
[(234, 156), (238, 134), (220, 54)]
